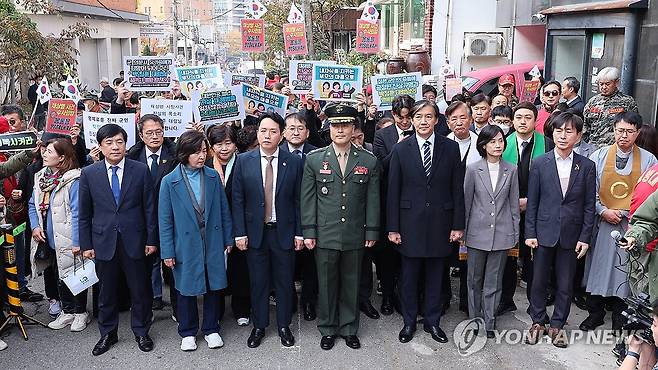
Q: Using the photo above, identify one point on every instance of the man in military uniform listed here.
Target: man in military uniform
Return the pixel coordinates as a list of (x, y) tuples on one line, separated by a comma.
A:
[(601, 109), (340, 215)]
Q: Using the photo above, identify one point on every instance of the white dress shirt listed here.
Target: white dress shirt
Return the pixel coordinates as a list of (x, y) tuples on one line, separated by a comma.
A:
[(121, 165), (467, 147), (263, 168), (564, 170), (494, 168), (292, 148), (421, 142), (149, 153), (400, 131), (519, 144)]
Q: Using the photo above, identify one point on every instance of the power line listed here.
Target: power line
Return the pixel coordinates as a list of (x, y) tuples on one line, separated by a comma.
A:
[(110, 10)]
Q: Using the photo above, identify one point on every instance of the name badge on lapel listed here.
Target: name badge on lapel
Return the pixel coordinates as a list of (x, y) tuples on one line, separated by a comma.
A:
[(360, 170), (325, 169)]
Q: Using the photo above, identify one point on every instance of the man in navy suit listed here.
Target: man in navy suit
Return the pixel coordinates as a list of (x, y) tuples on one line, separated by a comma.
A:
[(425, 215), (296, 135), (558, 225), (266, 223), (118, 227), (570, 88)]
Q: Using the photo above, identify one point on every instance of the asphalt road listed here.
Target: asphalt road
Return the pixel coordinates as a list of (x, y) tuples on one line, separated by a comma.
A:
[(380, 346)]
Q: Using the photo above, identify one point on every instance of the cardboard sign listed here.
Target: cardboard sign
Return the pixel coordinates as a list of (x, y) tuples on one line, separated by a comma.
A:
[(61, 116), (301, 76), (253, 35), (367, 36), (148, 73), (200, 78), (263, 100), (94, 121), (17, 141), (294, 39), (220, 106), (530, 91), (386, 87), (232, 79), (175, 114), (453, 87), (337, 82)]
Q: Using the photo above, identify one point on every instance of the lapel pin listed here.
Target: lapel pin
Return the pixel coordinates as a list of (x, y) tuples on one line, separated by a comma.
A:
[(576, 167), (284, 164)]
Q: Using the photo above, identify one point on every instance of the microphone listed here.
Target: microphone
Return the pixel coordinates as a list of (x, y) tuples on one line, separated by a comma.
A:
[(619, 239)]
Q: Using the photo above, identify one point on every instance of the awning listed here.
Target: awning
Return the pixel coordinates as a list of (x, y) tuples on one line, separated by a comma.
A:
[(597, 6)]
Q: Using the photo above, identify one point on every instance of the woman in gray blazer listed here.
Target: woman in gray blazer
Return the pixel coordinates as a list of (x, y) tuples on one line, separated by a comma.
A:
[(491, 193)]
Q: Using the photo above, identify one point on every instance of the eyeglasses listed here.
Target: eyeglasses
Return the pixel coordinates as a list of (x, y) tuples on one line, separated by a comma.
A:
[(503, 121), (627, 131), (156, 133), (299, 129), (551, 93)]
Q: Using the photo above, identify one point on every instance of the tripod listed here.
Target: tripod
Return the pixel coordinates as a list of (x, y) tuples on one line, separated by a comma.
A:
[(16, 312)]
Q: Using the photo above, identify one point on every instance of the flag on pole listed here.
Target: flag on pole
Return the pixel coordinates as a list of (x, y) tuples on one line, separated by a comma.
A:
[(370, 13), (256, 9), (43, 91), (295, 15), (70, 88)]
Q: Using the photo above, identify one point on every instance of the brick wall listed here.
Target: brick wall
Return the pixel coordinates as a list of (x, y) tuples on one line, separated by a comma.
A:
[(125, 5), (429, 20)]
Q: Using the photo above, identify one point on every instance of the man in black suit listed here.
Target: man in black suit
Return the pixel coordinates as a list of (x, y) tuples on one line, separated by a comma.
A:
[(558, 225), (296, 134), (158, 154), (117, 223), (570, 88), (425, 215), (266, 223)]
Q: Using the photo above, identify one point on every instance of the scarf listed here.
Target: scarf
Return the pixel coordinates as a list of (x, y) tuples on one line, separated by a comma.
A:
[(511, 153), (47, 183)]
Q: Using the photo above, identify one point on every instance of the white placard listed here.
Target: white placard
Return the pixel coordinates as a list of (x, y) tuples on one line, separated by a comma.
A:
[(94, 121), (175, 114)]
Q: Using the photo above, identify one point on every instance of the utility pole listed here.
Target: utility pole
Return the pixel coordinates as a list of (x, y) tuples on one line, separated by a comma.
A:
[(308, 20), (174, 38)]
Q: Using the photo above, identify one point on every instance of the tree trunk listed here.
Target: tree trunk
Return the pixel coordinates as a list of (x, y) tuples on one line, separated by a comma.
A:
[(12, 86)]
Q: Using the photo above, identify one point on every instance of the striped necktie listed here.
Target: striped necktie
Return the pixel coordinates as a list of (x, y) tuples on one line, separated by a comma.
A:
[(427, 158)]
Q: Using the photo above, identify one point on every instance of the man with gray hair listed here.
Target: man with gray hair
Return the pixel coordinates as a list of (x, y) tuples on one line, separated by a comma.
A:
[(108, 94), (601, 109)]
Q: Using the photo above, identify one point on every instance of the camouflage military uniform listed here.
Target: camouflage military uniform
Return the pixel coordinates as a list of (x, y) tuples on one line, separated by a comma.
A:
[(600, 112)]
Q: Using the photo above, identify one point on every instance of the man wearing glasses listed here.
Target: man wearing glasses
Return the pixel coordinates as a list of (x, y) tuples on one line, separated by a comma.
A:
[(618, 168), (550, 97), (158, 154), (601, 109)]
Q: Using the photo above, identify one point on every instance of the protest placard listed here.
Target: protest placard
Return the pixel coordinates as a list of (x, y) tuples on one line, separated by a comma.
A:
[(301, 76), (263, 100), (453, 87), (530, 90), (386, 87), (232, 79), (94, 121), (148, 73), (367, 36), (337, 82), (175, 114), (219, 106), (294, 39), (15, 141), (202, 78), (253, 35), (61, 116)]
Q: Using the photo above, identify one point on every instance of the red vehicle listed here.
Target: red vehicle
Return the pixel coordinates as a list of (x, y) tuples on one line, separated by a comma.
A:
[(486, 79)]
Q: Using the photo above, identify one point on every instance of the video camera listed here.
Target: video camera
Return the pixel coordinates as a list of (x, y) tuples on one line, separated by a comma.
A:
[(639, 312)]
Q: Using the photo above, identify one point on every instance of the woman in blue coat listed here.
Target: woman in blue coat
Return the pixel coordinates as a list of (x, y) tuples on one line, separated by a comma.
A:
[(195, 229)]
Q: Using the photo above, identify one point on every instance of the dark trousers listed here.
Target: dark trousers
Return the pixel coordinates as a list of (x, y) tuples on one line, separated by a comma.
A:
[(238, 283), (596, 305), (50, 279), (308, 272), (578, 287), (563, 261), (168, 278), (188, 314), (387, 263), (70, 303), (463, 286), (410, 269), (139, 287), (271, 264)]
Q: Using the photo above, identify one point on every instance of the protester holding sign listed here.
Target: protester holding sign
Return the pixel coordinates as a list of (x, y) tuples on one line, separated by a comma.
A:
[(337, 82), (387, 87), (149, 73), (220, 106), (61, 116)]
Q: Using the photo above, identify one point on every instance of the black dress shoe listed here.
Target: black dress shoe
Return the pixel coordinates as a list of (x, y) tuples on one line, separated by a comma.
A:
[(145, 343), (369, 310), (255, 338), (550, 299), (504, 308), (105, 343), (352, 341), (407, 334), (327, 342), (157, 304), (27, 295), (387, 306), (491, 334), (287, 339), (309, 312), (590, 323), (437, 334), (580, 302)]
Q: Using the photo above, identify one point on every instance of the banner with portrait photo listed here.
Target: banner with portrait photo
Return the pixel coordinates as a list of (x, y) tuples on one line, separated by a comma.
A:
[(232, 79), (294, 39), (94, 121), (218, 106), (367, 36), (264, 101), (175, 114), (149, 73), (253, 35), (61, 116), (199, 78), (386, 87), (301, 76), (337, 82)]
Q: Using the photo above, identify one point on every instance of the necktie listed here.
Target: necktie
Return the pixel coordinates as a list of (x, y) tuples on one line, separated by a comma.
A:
[(427, 158), (523, 146), (116, 188), (297, 153), (154, 167), (342, 161), (269, 188)]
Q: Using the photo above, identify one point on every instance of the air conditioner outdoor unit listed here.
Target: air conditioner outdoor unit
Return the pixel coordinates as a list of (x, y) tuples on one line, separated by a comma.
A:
[(483, 44)]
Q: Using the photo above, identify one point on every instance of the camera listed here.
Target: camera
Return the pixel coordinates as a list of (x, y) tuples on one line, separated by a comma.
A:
[(639, 312)]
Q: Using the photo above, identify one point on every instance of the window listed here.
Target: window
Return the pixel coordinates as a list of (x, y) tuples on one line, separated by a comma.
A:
[(414, 19), (567, 57)]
